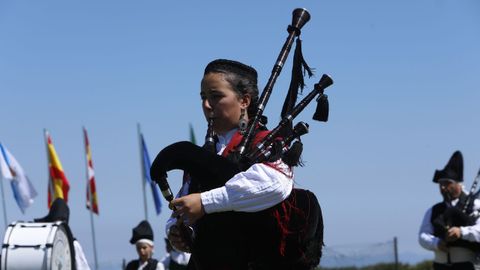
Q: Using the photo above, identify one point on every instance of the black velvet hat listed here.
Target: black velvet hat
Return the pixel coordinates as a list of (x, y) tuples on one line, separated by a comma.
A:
[(224, 65), (453, 170), (142, 231), (59, 211)]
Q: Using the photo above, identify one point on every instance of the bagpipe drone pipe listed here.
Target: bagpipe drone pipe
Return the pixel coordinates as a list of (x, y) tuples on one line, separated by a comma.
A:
[(461, 215), (240, 239)]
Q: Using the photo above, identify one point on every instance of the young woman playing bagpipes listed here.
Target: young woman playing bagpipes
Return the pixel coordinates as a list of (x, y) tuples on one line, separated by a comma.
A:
[(240, 211)]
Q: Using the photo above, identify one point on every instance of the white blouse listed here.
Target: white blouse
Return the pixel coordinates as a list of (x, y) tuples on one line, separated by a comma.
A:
[(258, 188), (253, 190)]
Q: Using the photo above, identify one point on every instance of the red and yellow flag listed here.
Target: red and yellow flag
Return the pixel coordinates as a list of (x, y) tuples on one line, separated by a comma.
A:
[(91, 189), (58, 185)]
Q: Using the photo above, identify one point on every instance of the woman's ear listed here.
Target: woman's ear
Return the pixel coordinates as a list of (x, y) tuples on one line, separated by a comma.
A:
[(245, 101)]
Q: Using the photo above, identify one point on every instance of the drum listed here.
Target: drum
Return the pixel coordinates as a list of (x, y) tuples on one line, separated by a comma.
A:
[(45, 246)]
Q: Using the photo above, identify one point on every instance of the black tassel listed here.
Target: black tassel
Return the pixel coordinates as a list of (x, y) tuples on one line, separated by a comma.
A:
[(292, 156), (276, 151), (299, 68), (321, 113)]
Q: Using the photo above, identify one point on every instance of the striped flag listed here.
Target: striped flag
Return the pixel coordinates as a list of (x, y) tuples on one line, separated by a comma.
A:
[(91, 188), (146, 173), (58, 185), (10, 169)]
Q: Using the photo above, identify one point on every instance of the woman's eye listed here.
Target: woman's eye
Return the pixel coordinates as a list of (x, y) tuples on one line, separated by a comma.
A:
[(216, 96)]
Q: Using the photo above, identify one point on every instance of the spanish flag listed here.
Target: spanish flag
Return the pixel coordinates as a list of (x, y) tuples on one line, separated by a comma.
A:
[(58, 185), (91, 189)]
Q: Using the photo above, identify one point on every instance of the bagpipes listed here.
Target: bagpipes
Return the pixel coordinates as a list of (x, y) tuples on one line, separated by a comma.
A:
[(209, 170), (462, 214), (467, 205), (214, 170), (195, 160)]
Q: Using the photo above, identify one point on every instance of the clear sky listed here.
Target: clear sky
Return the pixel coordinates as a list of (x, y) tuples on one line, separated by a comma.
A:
[(405, 97)]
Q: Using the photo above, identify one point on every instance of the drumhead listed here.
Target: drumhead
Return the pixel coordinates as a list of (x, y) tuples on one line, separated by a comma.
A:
[(45, 246), (61, 253)]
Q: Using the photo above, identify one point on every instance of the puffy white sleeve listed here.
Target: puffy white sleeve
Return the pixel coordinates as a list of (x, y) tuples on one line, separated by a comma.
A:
[(425, 236), (472, 233), (258, 188)]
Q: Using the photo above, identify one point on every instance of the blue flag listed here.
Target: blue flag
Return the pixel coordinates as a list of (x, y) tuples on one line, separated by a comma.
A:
[(10, 169), (146, 168)]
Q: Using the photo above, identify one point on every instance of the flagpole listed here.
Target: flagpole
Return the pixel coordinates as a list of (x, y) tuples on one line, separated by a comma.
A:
[(3, 203), (90, 201), (93, 229), (1, 186), (141, 168), (50, 180)]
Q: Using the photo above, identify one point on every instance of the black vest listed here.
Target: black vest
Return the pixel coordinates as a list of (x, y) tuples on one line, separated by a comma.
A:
[(133, 265), (444, 217)]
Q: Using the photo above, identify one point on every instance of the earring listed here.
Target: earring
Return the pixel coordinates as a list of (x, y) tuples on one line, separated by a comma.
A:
[(242, 123)]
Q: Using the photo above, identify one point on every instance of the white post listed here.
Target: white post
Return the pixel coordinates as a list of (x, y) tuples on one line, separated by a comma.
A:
[(395, 250)]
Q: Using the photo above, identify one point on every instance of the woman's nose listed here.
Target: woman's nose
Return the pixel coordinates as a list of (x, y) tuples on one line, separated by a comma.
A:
[(206, 104), (209, 105)]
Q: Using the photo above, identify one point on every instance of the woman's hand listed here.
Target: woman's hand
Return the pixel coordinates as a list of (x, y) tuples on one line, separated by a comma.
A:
[(176, 238), (188, 208)]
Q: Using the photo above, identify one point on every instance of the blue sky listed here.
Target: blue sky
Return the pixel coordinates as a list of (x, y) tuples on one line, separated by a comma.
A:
[(404, 99)]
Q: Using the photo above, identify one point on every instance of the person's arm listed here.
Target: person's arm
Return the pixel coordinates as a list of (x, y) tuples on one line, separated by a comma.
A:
[(256, 189), (472, 233), (425, 236), (80, 259)]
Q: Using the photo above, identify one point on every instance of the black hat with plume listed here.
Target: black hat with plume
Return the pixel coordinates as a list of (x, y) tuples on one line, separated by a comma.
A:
[(453, 171)]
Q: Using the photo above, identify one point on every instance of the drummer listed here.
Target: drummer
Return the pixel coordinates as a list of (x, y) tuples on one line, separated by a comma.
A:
[(59, 211)]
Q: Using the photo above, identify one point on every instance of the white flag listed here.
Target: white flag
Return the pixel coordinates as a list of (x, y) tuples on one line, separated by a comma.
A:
[(22, 188)]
